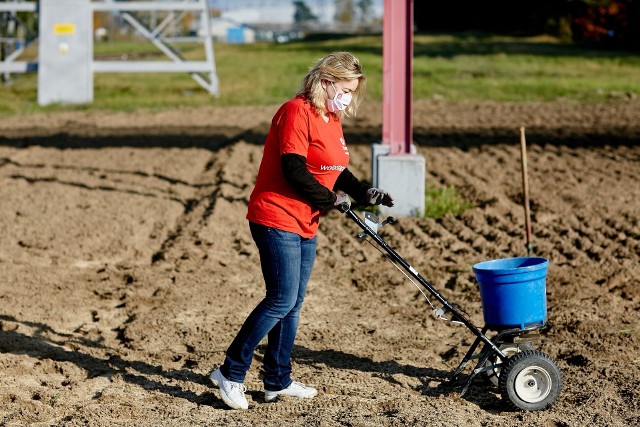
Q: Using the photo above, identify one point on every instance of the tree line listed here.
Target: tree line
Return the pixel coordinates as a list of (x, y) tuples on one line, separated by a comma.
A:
[(598, 23)]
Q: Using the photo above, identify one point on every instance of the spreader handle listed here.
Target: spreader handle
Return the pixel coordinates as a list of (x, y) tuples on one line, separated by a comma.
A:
[(396, 258), (343, 207)]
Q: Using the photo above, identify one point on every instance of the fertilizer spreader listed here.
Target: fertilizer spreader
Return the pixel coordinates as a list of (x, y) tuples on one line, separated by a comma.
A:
[(513, 295)]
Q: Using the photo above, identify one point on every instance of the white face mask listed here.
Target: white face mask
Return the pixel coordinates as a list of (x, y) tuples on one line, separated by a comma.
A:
[(339, 102)]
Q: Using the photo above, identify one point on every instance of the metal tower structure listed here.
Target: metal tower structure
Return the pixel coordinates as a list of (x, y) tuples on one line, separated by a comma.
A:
[(65, 56)]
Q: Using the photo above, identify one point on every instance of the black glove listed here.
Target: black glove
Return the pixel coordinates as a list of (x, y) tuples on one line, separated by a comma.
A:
[(376, 196)]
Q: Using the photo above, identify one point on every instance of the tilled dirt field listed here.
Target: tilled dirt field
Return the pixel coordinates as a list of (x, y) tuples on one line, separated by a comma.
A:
[(127, 267)]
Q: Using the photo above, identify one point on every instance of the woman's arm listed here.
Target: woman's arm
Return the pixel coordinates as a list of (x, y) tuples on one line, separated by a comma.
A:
[(294, 168), (351, 185)]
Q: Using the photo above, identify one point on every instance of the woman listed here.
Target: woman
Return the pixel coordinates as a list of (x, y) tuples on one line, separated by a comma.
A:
[(303, 165)]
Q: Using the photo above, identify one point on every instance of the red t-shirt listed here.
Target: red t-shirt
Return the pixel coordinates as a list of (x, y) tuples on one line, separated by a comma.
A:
[(296, 129)]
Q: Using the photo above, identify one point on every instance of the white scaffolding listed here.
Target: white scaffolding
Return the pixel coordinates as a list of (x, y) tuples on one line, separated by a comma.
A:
[(203, 72), (12, 43)]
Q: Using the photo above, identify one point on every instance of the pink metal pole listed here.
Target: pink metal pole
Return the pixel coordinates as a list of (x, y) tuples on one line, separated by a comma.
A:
[(397, 75)]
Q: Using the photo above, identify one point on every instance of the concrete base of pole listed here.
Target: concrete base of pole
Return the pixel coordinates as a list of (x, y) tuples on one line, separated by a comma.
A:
[(403, 177)]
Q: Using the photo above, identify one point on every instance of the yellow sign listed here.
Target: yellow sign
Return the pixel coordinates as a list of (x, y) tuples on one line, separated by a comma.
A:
[(64, 29)]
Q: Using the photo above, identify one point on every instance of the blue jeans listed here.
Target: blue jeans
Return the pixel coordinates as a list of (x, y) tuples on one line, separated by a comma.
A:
[(286, 260)]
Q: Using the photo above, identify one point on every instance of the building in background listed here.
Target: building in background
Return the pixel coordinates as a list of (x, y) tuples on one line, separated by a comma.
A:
[(225, 30)]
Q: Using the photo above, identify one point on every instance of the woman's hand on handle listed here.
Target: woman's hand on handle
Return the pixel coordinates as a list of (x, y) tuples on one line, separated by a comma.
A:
[(343, 202)]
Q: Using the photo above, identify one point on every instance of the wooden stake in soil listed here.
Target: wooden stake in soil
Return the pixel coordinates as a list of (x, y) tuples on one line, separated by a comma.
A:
[(525, 189)]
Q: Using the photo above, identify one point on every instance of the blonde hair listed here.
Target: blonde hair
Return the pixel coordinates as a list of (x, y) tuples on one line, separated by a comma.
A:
[(337, 66)]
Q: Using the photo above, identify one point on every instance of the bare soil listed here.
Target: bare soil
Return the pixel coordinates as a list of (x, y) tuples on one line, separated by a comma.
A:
[(127, 267)]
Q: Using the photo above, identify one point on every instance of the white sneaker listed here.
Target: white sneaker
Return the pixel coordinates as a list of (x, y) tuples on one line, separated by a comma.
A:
[(296, 389), (232, 393)]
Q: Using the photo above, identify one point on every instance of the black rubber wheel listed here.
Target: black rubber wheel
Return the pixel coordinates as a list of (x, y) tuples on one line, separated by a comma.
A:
[(530, 380), (509, 350)]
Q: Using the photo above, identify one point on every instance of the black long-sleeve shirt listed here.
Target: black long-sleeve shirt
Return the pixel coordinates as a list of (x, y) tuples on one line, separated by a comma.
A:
[(294, 168)]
